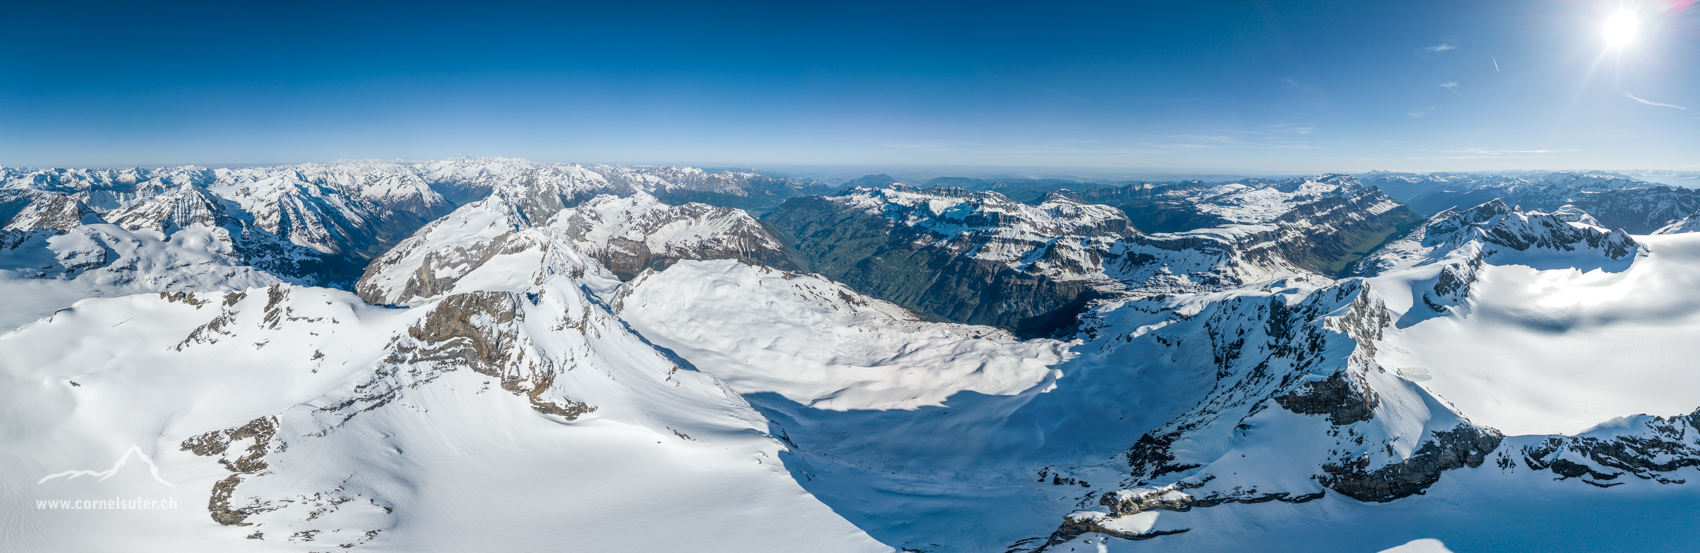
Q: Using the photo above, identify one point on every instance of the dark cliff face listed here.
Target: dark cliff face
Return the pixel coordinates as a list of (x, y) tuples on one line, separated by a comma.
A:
[(889, 255), (905, 266), (735, 235), (1154, 207), (1329, 235)]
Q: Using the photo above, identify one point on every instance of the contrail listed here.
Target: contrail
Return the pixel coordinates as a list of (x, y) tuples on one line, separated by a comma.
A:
[(1495, 63), (1652, 103)]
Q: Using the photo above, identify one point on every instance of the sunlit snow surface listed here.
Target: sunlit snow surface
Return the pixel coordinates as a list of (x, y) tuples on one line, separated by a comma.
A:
[(435, 461), (1558, 351), (741, 408), (820, 343)]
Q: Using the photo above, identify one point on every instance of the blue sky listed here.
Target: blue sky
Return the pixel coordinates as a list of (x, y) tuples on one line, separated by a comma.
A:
[(1241, 86)]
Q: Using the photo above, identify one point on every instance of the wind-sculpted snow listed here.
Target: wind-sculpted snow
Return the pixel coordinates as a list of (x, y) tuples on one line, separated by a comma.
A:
[(821, 344)]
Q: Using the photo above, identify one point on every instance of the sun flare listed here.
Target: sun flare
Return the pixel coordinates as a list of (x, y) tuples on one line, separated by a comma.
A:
[(1620, 29)]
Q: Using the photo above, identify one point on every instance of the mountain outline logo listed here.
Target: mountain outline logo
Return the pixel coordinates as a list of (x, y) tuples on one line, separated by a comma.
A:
[(153, 469)]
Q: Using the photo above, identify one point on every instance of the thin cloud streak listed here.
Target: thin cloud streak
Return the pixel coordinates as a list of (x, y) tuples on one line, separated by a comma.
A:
[(1452, 87), (1652, 103), (1442, 47), (1481, 153)]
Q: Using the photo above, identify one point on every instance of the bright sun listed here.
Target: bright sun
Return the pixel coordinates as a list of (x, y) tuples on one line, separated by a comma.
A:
[(1620, 29)]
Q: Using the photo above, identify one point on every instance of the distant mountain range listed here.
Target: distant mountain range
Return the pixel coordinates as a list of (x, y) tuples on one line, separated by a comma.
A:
[(497, 354)]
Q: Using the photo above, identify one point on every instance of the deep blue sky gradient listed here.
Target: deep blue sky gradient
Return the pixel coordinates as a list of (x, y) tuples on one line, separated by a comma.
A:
[(1203, 86)]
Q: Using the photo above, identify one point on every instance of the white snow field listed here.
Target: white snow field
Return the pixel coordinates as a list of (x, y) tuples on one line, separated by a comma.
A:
[(365, 424), (819, 343), (47, 272), (1019, 459), (1498, 380), (1558, 351)]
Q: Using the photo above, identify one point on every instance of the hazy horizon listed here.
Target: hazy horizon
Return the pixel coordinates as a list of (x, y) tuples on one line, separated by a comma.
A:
[(915, 174)]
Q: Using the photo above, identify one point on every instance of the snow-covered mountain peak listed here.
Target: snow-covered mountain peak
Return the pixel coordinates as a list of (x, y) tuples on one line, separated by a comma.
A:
[(637, 232), (1257, 201), (168, 212), (952, 212), (1503, 234), (28, 210), (1690, 223)]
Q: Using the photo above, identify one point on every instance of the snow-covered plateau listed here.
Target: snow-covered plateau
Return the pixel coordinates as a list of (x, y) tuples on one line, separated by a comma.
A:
[(496, 354)]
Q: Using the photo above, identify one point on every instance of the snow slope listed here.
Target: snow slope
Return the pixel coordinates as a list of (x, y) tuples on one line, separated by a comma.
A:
[(1214, 418), (1541, 348), (819, 343), (303, 418), (47, 271), (1495, 379), (637, 232)]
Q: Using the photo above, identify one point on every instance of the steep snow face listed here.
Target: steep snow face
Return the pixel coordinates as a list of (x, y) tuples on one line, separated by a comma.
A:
[(354, 208), (178, 240), (300, 417), (23, 211), (431, 261), (819, 343), (165, 213), (1690, 223), (638, 232), (1506, 235), (1058, 238), (1297, 382), (625, 234)]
